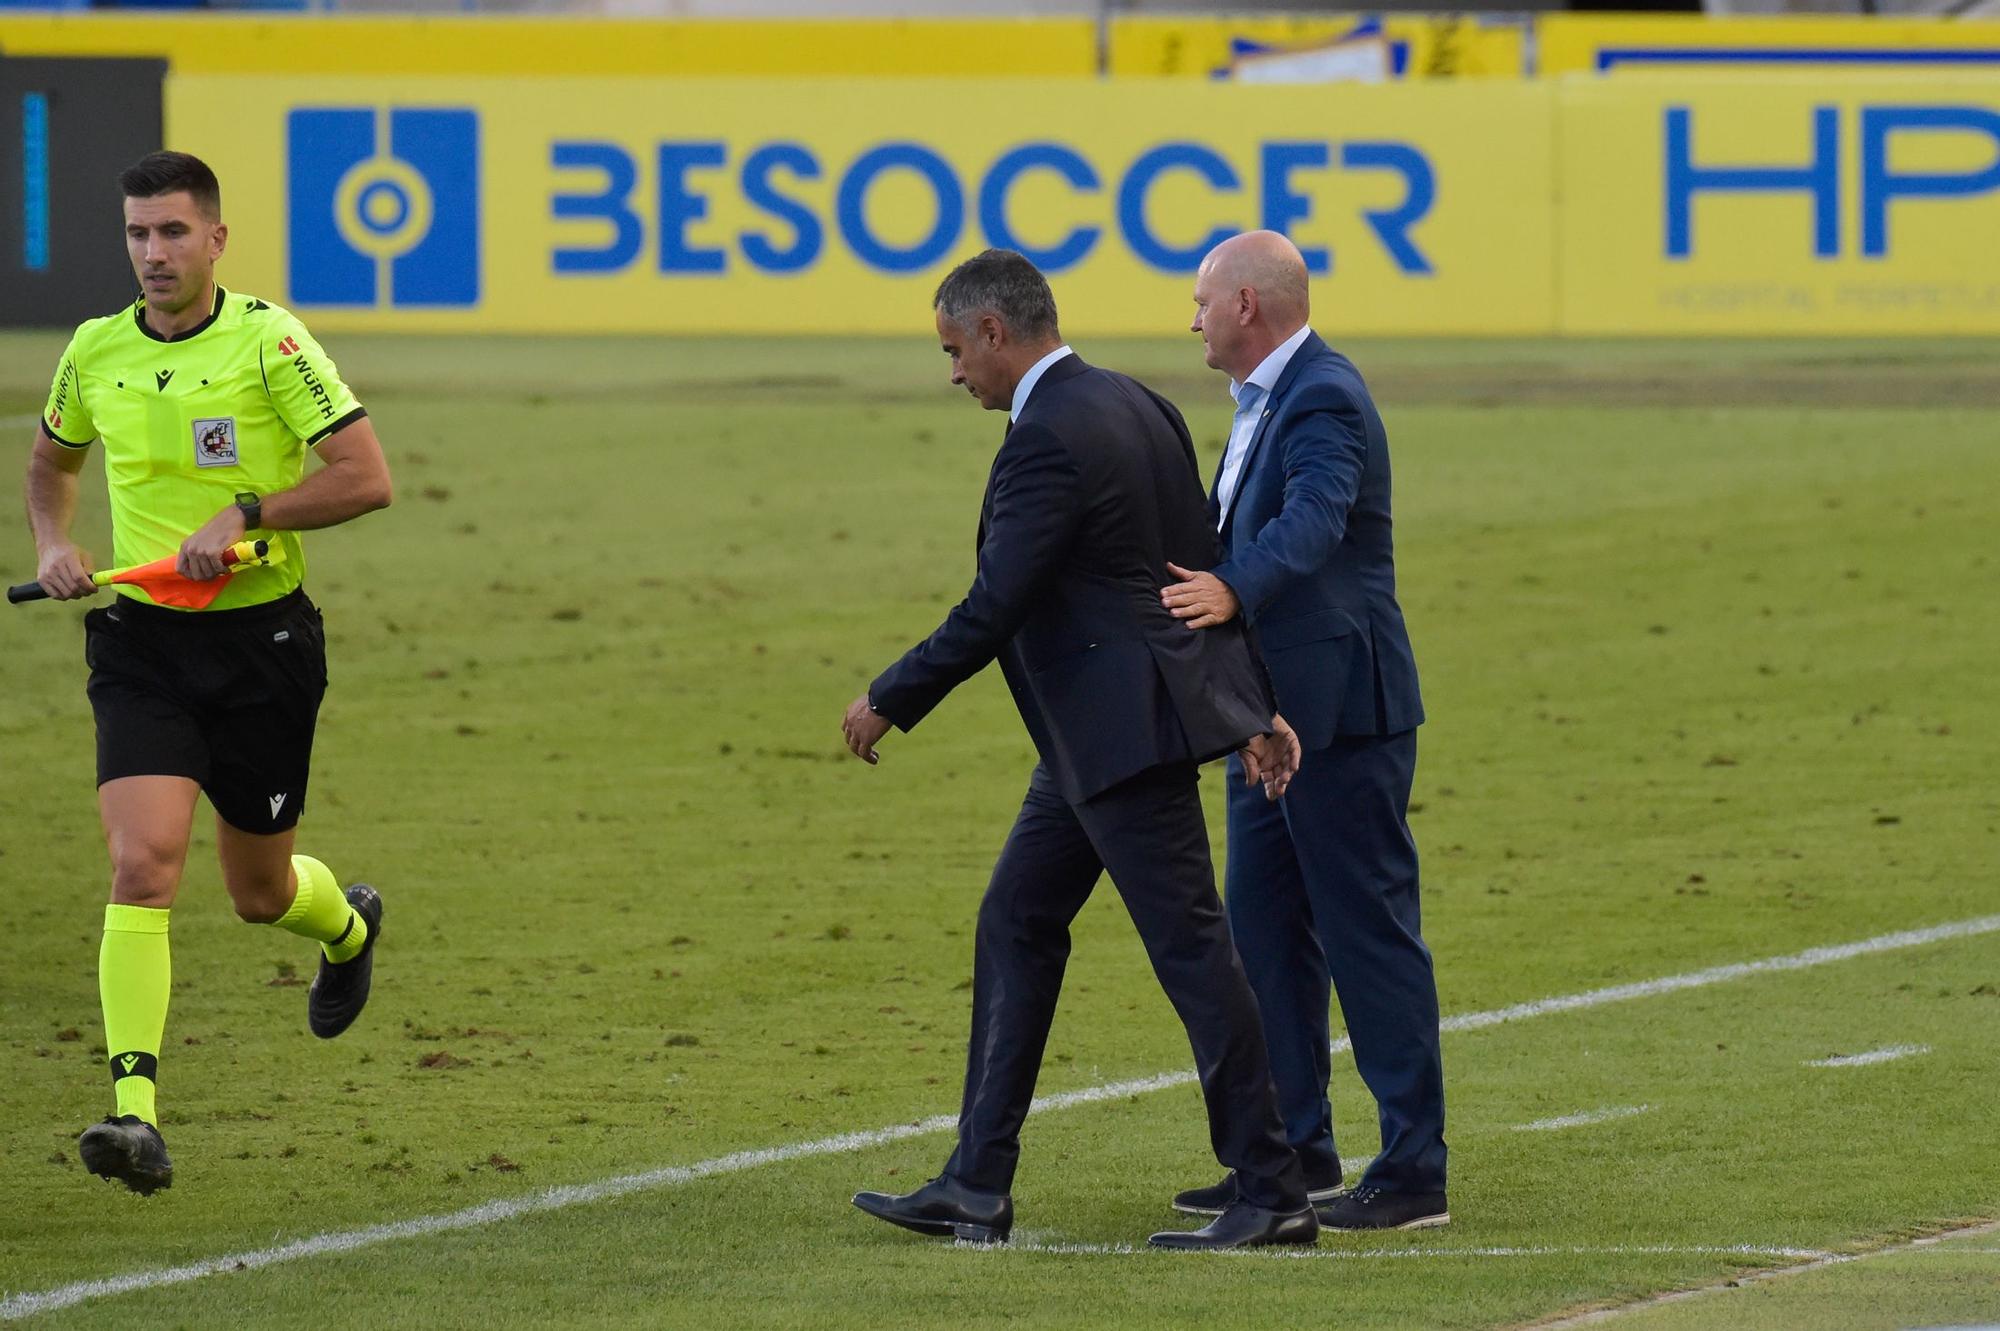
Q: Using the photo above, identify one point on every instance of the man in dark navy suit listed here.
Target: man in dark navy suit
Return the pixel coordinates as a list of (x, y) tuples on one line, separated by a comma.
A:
[(1093, 494), (1324, 882)]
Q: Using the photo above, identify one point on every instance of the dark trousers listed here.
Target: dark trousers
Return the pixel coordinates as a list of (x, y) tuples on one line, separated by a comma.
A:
[(1323, 885), (1149, 834)]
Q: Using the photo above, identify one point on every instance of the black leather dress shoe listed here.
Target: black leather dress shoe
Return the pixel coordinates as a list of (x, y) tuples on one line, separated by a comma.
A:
[(1377, 1208), (1214, 1198), (1242, 1225), (947, 1208)]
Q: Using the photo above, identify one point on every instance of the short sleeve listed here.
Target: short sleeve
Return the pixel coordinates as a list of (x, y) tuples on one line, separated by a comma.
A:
[(66, 420), (304, 385)]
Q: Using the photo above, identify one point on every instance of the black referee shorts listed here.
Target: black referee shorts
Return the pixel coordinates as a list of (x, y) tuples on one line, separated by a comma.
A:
[(228, 698)]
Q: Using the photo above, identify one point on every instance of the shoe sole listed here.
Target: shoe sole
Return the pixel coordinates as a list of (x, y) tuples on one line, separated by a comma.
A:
[(110, 1156), (1421, 1222), (981, 1235), (941, 1229), (1172, 1245), (1317, 1197)]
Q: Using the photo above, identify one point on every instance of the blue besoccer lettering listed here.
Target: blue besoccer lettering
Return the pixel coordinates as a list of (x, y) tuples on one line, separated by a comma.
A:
[(612, 203), (1880, 184), (807, 234), (1392, 225), (679, 207), (793, 237), (1282, 205), (1072, 248), (852, 207), (1153, 164)]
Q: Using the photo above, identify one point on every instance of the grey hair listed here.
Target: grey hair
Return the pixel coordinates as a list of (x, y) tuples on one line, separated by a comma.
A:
[(1001, 283)]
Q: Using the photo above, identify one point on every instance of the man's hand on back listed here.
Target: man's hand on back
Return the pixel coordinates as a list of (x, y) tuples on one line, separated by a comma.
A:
[(1200, 600)]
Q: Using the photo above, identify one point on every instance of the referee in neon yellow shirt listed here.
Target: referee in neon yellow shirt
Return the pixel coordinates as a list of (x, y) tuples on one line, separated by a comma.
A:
[(205, 402)]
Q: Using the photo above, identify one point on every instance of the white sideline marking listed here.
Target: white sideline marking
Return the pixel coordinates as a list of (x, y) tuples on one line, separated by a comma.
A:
[(474, 1217), (556, 1199), (1580, 1120), (1816, 1263), (1817, 956), (1893, 1052)]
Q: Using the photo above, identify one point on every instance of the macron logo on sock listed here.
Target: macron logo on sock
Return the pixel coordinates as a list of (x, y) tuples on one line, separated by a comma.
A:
[(136, 1063)]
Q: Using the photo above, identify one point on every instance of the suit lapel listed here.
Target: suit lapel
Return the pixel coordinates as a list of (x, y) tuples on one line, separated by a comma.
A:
[(986, 500), (1067, 368), (1308, 349)]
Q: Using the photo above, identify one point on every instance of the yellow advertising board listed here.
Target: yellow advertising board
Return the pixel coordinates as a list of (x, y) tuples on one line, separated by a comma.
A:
[(834, 206), (1683, 205), (432, 46), (1361, 47), (1825, 45), (1776, 206)]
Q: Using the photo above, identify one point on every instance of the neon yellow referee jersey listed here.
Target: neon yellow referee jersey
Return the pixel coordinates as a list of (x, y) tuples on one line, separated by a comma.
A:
[(188, 424)]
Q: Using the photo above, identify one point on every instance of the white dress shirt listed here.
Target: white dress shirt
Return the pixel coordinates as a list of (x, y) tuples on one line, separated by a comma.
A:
[(1251, 395), (1033, 377)]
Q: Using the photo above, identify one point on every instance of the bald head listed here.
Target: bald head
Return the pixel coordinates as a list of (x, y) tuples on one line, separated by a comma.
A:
[(1270, 265), (1251, 293)]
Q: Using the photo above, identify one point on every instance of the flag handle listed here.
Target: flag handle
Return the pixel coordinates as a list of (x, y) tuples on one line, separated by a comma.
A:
[(243, 552)]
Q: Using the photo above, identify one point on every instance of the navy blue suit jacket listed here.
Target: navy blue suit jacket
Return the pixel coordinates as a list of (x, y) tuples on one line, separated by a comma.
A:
[(1093, 491), (1307, 550)]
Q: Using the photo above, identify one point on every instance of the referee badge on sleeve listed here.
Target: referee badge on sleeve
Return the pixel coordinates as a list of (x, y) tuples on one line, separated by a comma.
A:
[(215, 441)]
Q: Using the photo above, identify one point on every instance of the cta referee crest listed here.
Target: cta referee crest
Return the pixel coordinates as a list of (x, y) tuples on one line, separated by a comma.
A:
[(215, 441)]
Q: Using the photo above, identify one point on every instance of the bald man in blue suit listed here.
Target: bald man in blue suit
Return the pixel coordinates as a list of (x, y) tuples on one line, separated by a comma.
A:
[(1321, 885)]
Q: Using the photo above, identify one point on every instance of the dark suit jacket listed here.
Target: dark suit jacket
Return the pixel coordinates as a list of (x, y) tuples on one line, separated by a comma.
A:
[(1093, 491), (1308, 552)]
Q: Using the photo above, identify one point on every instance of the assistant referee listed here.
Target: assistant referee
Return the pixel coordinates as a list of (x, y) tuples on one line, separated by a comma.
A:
[(205, 402)]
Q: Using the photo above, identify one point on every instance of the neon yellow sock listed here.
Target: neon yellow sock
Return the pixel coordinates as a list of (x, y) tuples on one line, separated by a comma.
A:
[(320, 912), (134, 975)]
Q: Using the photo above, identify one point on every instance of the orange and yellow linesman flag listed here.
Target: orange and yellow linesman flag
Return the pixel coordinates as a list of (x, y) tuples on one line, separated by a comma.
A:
[(164, 584)]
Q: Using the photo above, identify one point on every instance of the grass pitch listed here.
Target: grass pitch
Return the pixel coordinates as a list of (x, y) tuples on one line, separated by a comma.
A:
[(1706, 638)]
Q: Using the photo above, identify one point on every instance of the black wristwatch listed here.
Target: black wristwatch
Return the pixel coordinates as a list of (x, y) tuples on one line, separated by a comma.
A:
[(253, 510)]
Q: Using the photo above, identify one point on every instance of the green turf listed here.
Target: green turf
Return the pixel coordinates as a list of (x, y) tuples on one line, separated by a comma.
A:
[(1705, 636), (1944, 1284)]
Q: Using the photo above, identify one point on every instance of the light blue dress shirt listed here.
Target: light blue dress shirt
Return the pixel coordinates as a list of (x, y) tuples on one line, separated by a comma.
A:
[(1250, 395)]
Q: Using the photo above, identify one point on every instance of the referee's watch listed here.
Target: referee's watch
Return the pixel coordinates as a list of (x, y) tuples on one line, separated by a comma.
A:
[(252, 508)]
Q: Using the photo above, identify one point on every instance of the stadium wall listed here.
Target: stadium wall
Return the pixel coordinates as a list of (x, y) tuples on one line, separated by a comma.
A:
[(538, 46), (1366, 47), (1654, 44), (644, 196), (1580, 206)]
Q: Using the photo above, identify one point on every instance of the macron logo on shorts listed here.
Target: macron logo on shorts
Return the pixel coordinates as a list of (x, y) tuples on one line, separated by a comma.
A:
[(277, 803)]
